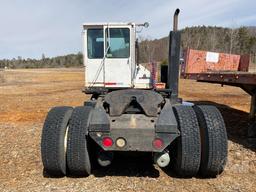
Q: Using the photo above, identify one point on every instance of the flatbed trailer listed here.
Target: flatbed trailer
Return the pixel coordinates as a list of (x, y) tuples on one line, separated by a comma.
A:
[(246, 80)]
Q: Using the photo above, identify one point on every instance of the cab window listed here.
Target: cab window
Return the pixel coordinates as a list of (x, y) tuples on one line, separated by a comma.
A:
[(118, 42), (95, 43)]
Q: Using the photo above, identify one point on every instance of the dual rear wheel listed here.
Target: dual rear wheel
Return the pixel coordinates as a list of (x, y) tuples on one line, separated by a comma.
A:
[(202, 145), (64, 144)]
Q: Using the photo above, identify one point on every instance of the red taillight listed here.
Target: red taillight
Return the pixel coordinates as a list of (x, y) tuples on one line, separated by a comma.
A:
[(107, 142), (158, 143)]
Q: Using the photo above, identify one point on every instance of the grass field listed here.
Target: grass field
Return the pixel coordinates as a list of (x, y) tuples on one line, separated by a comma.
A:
[(27, 95)]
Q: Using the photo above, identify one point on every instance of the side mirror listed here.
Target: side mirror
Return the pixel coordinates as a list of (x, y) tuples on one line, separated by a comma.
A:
[(146, 24)]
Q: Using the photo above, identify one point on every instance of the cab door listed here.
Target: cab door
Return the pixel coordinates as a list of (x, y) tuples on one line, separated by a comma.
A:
[(94, 56), (117, 65)]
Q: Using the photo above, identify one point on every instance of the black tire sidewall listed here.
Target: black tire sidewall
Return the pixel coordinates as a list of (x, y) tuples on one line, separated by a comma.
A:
[(52, 143), (188, 145), (214, 140), (78, 150)]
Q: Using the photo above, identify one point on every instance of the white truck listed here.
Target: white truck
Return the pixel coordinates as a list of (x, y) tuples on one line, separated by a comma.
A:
[(127, 114)]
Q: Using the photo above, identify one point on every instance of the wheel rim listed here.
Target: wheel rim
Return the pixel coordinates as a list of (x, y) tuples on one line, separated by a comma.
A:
[(66, 140)]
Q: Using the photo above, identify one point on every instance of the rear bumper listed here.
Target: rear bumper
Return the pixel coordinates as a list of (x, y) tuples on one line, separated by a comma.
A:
[(136, 140), (142, 119), (138, 130)]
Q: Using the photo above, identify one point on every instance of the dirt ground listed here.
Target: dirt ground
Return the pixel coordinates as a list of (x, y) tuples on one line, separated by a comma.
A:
[(27, 95)]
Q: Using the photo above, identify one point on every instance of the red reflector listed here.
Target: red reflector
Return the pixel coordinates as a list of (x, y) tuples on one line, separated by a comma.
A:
[(110, 83), (107, 142), (158, 143)]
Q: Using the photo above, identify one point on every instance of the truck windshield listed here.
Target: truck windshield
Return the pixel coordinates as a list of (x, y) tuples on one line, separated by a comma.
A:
[(118, 42), (95, 43)]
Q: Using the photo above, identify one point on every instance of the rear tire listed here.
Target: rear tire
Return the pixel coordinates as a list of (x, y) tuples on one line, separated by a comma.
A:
[(78, 158), (213, 139), (188, 149), (53, 140)]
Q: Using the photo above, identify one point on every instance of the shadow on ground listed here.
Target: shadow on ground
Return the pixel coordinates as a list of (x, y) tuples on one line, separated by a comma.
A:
[(237, 123), (141, 164), (130, 165)]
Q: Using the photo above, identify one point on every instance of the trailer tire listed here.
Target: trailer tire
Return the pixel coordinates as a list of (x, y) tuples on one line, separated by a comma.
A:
[(213, 139), (188, 149), (53, 140), (78, 158)]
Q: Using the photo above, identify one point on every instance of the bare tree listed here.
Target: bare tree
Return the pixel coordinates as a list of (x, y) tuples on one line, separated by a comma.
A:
[(213, 40), (147, 49), (232, 37)]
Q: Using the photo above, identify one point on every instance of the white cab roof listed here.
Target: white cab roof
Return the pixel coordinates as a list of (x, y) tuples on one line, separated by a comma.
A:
[(111, 24)]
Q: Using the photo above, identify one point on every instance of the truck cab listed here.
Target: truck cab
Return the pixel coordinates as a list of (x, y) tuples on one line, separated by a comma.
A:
[(110, 57)]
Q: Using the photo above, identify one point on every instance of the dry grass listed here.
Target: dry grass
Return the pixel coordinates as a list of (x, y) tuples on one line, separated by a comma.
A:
[(2, 80), (27, 95)]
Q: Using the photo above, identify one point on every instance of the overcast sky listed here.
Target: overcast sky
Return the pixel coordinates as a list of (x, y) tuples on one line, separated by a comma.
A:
[(29, 28)]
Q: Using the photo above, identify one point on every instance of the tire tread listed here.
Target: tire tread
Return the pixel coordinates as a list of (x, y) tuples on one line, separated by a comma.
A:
[(52, 141), (189, 151), (214, 140), (78, 149)]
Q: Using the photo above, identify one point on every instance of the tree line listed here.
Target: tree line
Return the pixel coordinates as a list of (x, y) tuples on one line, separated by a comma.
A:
[(217, 39), (71, 60)]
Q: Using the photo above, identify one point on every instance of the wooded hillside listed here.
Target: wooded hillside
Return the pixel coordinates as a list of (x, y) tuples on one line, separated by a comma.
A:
[(237, 41), (216, 39)]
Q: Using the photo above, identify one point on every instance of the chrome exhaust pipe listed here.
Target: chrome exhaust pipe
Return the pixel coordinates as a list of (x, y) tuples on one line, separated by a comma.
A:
[(175, 20)]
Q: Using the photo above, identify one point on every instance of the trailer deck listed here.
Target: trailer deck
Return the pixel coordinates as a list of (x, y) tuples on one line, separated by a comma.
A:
[(236, 78), (238, 73)]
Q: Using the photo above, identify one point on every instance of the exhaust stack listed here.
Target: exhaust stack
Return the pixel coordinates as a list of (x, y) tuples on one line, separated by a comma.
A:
[(175, 20), (174, 59)]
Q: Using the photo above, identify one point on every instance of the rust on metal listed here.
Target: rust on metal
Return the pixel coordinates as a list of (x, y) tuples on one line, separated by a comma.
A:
[(223, 77), (197, 61), (219, 68)]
